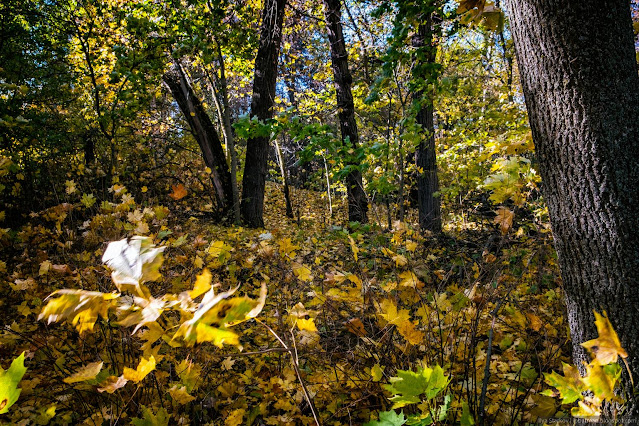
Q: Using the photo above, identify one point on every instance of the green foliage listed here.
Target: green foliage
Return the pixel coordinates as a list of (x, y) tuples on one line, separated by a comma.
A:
[(388, 418), (161, 418), (9, 381), (408, 387)]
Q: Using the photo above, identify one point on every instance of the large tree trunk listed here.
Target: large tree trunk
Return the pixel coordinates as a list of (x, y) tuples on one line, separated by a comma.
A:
[(579, 77), (255, 168), (205, 134), (357, 200), (425, 155)]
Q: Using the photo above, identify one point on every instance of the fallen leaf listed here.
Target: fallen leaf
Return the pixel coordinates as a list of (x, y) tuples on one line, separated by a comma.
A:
[(179, 192)]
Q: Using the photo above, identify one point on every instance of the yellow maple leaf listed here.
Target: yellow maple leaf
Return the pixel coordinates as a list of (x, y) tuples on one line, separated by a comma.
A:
[(217, 336), (44, 268), (180, 395), (306, 324), (144, 368), (411, 245), (504, 219), (391, 314), (409, 279), (287, 248), (400, 260), (354, 247), (607, 347), (235, 418), (354, 279), (202, 284), (410, 333), (302, 272), (88, 372), (228, 363), (377, 373)]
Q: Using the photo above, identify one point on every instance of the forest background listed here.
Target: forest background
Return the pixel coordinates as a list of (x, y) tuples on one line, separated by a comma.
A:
[(364, 171)]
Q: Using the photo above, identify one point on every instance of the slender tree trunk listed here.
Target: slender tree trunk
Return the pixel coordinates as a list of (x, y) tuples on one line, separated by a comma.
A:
[(89, 148), (205, 134), (255, 168), (579, 77), (287, 194), (357, 200), (224, 112), (425, 155), (328, 188)]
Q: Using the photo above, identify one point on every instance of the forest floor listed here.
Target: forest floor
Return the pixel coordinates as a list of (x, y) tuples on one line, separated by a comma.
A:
[(351, 306)]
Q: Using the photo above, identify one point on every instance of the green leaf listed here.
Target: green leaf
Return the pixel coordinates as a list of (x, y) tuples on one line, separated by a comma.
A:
[(161, 418), (466, 417), (388, 418), (570, 386), (408, 387), (9, 380)]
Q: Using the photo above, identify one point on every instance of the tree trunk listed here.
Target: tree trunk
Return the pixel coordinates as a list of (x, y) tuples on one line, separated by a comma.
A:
[(224, 111), (425, 155), (579, 77), (357, 200), (287, 193), (205, 134), (255, 168)]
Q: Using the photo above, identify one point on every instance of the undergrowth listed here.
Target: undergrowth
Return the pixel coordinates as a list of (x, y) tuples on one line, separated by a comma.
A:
[(347, 307)]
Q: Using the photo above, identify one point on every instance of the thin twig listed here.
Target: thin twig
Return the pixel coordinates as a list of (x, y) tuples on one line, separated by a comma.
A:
[(296, 368), (489, 350)]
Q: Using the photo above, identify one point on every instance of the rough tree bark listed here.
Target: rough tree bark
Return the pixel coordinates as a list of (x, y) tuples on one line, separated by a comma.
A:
[(255, 168), (205, 134), (425, 154), (579, 78), (357, 200)]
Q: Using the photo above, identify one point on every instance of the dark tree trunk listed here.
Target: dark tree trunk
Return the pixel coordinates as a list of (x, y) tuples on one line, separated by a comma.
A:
[(89, 148), (205, 134), (424, 73), (255, 168), (357, 200), (579, 77)]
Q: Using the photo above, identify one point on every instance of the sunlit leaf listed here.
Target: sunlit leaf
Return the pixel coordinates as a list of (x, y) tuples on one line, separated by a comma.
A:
[(202, 284), (143, 369), (306, 324), (88, 372), (607, 347), (388, 418), (9, 380)]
